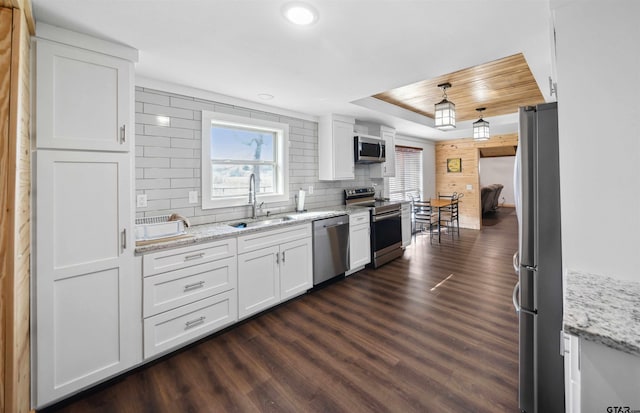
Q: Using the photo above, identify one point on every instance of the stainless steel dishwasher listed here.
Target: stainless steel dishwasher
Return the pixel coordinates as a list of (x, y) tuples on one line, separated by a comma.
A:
[(330, 248)]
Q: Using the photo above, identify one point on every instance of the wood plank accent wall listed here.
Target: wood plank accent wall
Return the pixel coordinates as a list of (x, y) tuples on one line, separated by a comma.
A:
[(448, 182), (15, 199)]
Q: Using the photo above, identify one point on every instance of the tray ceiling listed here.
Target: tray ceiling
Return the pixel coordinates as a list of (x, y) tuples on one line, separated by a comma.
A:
[(501, 86)]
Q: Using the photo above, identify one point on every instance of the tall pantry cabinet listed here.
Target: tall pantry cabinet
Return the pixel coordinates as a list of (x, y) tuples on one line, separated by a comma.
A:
[(87, 306)]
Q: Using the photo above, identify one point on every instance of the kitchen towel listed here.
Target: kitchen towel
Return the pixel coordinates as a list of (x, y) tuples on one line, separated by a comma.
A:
[(300, 206)]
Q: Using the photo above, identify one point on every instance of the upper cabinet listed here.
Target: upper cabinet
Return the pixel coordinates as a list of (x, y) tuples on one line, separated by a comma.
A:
[(335, 148), (85, 98), (388, 167)]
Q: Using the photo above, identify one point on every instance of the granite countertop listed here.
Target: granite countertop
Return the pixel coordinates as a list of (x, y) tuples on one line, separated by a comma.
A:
[(220, 230), (604, 310)]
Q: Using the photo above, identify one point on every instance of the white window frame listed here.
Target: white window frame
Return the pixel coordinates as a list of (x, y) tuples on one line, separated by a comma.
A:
[(281, 131)]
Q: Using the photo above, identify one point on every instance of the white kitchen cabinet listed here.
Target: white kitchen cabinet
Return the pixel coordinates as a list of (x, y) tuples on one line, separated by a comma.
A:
[(296, 268), (359, 241), (335, 148), (84, 99), (87, 318), (273, 265), (405, 212), (258, 280), (387, 168), (87, 298)]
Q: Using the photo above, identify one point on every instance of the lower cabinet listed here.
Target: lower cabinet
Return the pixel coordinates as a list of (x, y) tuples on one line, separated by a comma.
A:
[(188, 292), (359, 241), (273, 266), (86, 318)]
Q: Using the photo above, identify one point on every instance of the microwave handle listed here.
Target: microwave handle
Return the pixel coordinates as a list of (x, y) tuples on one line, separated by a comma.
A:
[(380, 152)]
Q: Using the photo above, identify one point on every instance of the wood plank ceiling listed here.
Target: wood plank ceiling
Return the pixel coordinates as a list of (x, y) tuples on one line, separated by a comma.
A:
[(501, 86)]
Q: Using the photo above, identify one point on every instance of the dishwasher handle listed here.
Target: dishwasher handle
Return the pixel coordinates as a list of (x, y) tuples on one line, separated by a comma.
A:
[(338, 224)]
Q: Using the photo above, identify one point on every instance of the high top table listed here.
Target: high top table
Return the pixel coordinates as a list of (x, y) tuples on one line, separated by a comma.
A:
[(441, 203)]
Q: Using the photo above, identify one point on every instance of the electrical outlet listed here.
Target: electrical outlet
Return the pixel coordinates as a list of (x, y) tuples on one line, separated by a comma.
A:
[(469, 187), (141, 201), (310, 189), (193, 197)]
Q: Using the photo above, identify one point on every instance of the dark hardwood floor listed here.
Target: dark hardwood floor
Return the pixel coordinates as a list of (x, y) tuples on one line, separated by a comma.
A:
[(434, 331)]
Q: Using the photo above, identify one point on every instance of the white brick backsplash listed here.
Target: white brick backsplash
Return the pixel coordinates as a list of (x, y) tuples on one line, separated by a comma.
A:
[(166, 131), (142, 162), (192, 104), (167, 111), (158, 141), (233, 111), (146, 119), (168, 159), (186, 124), (167, 173), (146, 97), (185, 163), (167, 193), (185, 143), (157, 152), (163, 183), (185, 183), (154, 205)]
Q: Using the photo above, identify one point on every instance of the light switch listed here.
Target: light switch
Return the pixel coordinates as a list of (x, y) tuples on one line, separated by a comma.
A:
[(141, 201), (193, 197), (469, 187), (310, 189)]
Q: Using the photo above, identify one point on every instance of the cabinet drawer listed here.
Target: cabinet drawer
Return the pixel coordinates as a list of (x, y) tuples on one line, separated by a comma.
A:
[(173, 328), (269, 238), (176, 258), (355, 219), (179, 287)]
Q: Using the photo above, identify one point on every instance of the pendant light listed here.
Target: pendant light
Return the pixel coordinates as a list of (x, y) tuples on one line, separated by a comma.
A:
[(445, 111), (480, 128)]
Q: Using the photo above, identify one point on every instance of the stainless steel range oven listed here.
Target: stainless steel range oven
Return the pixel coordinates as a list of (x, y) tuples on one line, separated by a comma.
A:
[(386, 224)]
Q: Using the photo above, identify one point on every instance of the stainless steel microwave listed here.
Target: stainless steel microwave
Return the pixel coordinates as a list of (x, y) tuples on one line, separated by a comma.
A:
[(368, 149)]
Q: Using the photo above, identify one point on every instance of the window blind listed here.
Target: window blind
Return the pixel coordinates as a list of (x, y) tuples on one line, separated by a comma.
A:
[(407, 184)]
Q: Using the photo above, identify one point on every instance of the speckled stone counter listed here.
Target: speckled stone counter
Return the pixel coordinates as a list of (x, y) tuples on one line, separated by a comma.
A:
[(220, 230), (604, 310)]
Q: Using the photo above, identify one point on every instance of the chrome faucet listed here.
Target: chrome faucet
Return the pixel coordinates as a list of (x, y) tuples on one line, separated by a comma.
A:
[(252, 195)]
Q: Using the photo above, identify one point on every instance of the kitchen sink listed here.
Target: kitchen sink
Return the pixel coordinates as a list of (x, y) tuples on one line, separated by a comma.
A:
[(260, 223)]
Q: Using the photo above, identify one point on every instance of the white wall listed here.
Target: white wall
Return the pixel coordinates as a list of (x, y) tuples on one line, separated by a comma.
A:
[(499, 170), (428, 161), (598, 66)]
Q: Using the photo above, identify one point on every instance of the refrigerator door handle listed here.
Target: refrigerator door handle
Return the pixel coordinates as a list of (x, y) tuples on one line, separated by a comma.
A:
[(514, 296), (516, 301), (516, 262)]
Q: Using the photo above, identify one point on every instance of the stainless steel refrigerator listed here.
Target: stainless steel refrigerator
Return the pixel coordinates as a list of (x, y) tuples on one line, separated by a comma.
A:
[(538, 294)]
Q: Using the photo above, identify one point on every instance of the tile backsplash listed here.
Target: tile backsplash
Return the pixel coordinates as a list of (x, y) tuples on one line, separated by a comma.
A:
[(168, 133)]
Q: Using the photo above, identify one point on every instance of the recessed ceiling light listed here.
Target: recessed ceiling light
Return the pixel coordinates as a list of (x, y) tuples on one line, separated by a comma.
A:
[(265, 96), (301, 14)]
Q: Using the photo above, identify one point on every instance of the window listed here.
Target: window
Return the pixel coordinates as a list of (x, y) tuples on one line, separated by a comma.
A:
[(234, 148), (407, 183)]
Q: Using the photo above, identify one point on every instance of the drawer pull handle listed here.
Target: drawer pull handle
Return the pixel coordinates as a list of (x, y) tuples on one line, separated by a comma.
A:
[(194, 286), (194, 256), (193, 323)]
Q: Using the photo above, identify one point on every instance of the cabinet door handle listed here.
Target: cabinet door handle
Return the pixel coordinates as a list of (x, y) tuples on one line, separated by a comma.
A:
[(193, 323), (194, 286), (277, 258), (123, 134), (283, 256), (194, 256), (124, 239)]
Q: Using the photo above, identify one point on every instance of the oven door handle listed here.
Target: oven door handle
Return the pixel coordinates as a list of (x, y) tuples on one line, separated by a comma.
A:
[(382, 217)]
